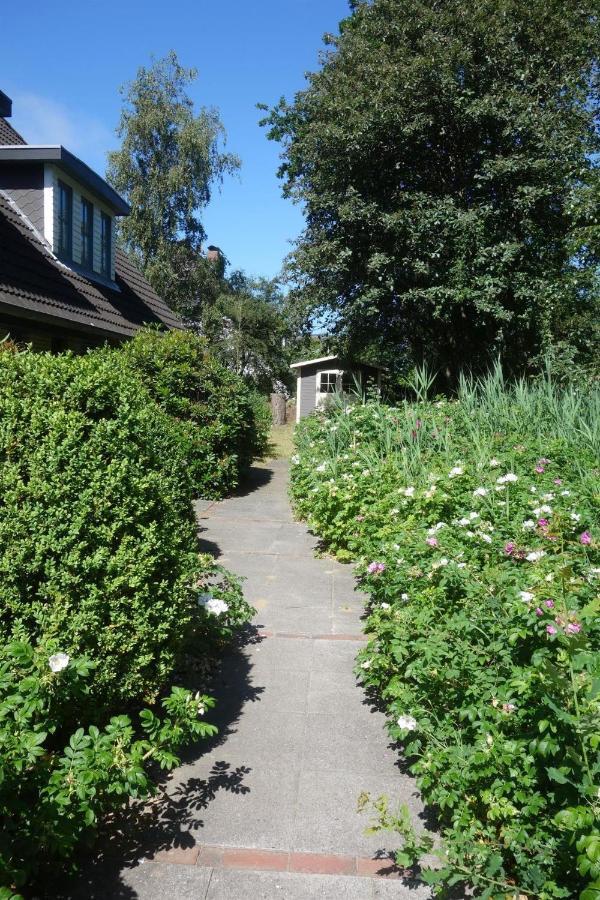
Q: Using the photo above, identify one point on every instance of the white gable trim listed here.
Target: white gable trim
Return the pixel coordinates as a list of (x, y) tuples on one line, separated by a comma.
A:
[(310, 362)]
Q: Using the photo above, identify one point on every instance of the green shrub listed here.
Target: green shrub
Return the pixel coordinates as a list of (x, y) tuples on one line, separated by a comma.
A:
[(98, 544), (222, 424), (475, 528), (54, 785), (102, 579)]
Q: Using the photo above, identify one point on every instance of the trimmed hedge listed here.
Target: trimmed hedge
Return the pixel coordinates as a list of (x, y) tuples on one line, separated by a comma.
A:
[(223, 425), (103, 591), (98, 542)]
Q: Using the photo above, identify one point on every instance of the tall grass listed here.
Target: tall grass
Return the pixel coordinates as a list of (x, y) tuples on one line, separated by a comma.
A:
[(484, 411)]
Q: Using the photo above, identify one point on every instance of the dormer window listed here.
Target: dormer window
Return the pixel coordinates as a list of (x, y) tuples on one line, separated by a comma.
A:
[(65, 220), (105, 245), (87, 234)]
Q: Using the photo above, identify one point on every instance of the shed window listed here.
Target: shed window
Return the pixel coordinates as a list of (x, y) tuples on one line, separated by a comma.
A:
[(350, 382), (328, 382), (65, 220), (105, 245)]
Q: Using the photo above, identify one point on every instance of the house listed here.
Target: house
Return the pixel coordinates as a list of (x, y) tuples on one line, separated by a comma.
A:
[(64, 284), (318, 379)]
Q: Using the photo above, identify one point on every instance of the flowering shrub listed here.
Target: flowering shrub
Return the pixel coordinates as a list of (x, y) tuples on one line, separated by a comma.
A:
[(55, 783), (221, 423), (475, 530)]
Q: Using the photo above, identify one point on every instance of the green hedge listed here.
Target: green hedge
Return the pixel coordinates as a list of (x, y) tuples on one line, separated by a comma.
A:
[(475, 528), (103, 592), (98, 543), (223, 425)]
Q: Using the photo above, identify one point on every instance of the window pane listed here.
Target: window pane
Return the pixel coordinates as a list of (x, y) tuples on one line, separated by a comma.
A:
[(328, 382), (65, 220), (87, 233), (105, 245)]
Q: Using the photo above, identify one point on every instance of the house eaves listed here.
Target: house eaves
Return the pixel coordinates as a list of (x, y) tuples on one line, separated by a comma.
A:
[(63, 159)]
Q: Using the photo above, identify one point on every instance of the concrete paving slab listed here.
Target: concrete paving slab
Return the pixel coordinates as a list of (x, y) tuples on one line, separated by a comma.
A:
[(338, 743), (327, 816), (297, 741), (232, 885), (261, 816), (334, 656), (160, 881)]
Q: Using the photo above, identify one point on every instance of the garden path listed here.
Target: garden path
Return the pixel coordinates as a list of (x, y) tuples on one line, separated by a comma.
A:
[(270, 809)]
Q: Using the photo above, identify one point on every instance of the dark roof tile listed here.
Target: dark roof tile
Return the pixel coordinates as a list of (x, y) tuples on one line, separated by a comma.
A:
[(32, 280), (8, 135)]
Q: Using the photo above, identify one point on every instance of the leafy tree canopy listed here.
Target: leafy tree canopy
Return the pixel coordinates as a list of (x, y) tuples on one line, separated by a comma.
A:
[(170, 160), (445, 154), (248, 329)]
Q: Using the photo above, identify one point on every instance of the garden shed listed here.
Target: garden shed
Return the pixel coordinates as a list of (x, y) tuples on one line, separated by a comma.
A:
[(317, 379)]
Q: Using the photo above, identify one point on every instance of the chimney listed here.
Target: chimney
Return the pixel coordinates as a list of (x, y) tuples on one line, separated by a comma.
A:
[(5, 106), (214, 254)]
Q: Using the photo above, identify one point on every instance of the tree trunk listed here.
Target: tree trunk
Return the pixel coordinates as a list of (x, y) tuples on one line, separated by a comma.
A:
[(278, 409)]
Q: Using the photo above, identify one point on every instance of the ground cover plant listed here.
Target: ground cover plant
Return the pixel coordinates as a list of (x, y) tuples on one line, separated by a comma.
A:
[(103, 596), (222, 424), (475, 527)]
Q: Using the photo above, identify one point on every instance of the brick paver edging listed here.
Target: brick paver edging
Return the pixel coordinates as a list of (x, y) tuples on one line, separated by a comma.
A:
[(265, 633), (278, 861)]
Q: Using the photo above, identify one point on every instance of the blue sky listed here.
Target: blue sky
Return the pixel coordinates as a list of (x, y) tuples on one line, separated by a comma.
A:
[(64, 62)]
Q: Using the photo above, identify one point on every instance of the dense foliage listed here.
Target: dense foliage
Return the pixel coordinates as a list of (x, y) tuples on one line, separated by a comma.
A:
[(475, 528), (221, 423), (55, 784), (168, 164), (445, 155), (248, 329), (104, 594)]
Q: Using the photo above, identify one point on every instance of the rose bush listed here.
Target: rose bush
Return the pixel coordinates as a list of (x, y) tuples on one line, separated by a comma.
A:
[(55, 784), (475, 530)]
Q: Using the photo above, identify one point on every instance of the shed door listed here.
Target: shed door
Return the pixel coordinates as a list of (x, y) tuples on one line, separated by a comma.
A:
[(328, 383)]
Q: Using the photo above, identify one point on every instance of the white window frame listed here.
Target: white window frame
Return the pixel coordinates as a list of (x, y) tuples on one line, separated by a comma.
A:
[(319, 394)]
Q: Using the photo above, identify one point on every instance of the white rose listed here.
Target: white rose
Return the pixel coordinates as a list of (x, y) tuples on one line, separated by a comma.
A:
[(213, 605), (59, 661), (535, 555), (407, 723)]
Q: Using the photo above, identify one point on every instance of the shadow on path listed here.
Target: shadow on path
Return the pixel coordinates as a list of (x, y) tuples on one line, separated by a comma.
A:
[(173, 819), (257, 477)]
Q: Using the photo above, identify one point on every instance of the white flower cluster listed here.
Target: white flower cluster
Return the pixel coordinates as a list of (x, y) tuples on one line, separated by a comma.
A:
[(535, 555), (480, 492), (508, 478), (455, 472), (435, 528), (466, 520)]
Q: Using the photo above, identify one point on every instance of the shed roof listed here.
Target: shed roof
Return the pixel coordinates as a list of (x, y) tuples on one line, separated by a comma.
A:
[(320, 359)]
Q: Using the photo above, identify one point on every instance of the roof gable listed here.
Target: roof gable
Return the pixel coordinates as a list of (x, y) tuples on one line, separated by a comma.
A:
[(35, 284)]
